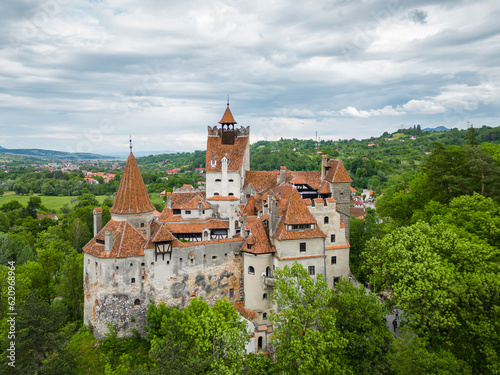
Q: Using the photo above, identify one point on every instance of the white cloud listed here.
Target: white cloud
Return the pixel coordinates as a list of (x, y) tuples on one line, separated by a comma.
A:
[(425, 107)]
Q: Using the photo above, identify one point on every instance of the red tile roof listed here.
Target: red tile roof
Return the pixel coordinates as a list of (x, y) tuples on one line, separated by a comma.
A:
[(223, 198), (196, 226), (188, 201), (250, 209), (297, 213), (333, 247), (337, 172), (227, 117), (235, 153), (132, 196), (258, 240), (127, 241)]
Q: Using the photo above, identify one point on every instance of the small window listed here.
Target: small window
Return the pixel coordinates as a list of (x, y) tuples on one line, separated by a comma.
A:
[(249, 245), (188, 212), (302, 246), (264, 315), (131, 264), (332, 238), (168, 262), (203, 211), (326, 220), (143, 264), (132, 281), (311, 270), (336, 280), (334, 260), (230, 180), (88, 262), (231, 194), (137, 302), (264, 296), (142, 277), (217, 180), (152, 263), (177, 212), (248, 196), (231, 293), (251, 270), (192, 261), (142, 225), (117, 267), (216, 194)]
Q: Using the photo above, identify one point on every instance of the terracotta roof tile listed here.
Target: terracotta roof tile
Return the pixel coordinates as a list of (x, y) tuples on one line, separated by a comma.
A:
[(127, 241), (227, 117), (196, 226), (311, 178), (258, 240), (333, 247), (235, 153), (132, 196), (250, 209), (223, 198), (261, 180), (337, 172), (240, 307), (188, 200), (297, 213)]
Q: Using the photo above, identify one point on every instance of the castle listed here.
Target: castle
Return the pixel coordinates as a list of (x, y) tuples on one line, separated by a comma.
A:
[(223, 242)]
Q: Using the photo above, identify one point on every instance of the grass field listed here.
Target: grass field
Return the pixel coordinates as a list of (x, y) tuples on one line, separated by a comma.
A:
[(55, 203)]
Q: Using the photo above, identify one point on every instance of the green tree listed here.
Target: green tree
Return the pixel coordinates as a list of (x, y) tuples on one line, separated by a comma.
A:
[(306, 339), (210, 339), (360, 319), (446, 280)]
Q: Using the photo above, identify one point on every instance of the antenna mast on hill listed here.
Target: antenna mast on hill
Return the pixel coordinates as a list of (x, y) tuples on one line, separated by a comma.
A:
[(130, 144)]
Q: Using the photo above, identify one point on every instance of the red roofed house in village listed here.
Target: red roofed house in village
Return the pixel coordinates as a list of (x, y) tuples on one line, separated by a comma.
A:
[(224, 241)]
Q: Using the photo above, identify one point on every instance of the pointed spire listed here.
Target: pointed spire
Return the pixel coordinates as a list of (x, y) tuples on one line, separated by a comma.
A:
[(227, 118), (132, 196)]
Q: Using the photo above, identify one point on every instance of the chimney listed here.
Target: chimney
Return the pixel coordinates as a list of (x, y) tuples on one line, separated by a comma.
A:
[(169, 199), (148, 231), (273, 214), (108, 240), (97, 220), (323, 166), (244, 220), (282, 175)]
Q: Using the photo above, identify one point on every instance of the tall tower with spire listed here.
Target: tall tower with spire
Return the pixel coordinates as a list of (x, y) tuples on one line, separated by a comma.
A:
[(228, 157), (132, 201)]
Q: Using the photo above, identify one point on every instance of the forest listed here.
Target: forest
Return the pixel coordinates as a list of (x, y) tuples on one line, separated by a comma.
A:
[(432, 246)]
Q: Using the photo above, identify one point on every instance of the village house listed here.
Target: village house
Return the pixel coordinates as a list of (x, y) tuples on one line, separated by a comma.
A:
[(226, 241)]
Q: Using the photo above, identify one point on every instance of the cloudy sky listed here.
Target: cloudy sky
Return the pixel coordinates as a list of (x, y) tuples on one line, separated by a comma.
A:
[(84, 75)]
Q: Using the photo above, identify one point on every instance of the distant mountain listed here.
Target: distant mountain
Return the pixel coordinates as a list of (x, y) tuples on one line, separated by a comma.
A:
[(438, 129), (50, 154)]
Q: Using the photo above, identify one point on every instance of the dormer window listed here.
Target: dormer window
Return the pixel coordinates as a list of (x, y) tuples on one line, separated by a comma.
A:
[(217, 180), (177, 212)]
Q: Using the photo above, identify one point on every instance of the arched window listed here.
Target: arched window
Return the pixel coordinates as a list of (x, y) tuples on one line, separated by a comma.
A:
[(326, 220), (264, 315), (137, 302), (264, 296), (251, 270), (268, 271), (259, 343)]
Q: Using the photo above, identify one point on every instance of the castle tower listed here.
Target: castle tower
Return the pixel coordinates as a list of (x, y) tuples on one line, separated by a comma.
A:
[(228, 157), (132, 201)]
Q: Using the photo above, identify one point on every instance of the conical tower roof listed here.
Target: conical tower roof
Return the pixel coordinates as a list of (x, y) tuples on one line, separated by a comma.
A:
[(132, 196), (227, 118)]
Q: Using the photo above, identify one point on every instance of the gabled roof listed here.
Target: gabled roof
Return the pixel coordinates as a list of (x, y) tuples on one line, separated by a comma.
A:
[(188, 200), (297, 211), (261, 180), (163, 235), (132, 196), (127, 241), (311, 178), (250, 209), (258, 241), (337, 172), (227, 117), (234, 153)]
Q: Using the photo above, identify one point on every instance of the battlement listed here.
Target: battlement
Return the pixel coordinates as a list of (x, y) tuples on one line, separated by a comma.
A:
[(321, 204), (215, 131)]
